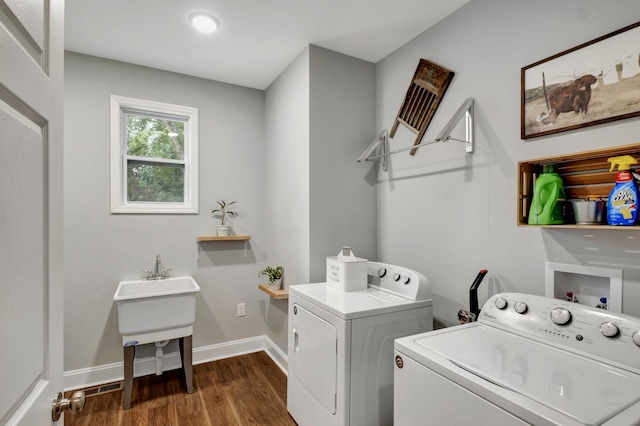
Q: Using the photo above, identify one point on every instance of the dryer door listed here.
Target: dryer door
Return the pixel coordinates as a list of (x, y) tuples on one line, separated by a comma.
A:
[(313, 358)]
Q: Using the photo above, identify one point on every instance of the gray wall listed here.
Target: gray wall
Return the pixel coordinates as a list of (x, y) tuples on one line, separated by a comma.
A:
[(101, 249), (342, 125), (449, 214), (287, 177), (255, 148), (287, 174), (320, 117)]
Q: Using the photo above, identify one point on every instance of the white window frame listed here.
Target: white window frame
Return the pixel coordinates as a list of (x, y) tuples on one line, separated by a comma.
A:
[(119, 203)]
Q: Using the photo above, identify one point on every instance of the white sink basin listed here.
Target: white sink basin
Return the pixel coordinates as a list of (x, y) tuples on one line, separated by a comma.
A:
[(155, 310)]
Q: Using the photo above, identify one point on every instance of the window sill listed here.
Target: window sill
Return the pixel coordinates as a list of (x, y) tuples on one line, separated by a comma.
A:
[(153, 209)]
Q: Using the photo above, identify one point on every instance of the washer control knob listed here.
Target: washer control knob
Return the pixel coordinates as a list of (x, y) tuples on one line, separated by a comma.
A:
[(382, 272), (501, 303), (561, 316), (396, 277), (636, 338), (520, 307), (406, 279), (609, 329)]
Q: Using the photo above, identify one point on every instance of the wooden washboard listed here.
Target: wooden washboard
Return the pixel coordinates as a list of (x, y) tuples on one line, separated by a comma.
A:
[(425, 92)]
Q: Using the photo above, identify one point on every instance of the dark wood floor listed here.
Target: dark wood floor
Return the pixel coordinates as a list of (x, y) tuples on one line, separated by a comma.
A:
[(244, 390)]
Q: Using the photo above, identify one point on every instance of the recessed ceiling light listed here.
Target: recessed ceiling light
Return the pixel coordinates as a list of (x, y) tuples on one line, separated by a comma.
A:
[(204, 22)]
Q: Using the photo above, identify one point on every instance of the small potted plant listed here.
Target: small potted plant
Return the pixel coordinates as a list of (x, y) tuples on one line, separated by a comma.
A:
[(275, 276), (223, 213)]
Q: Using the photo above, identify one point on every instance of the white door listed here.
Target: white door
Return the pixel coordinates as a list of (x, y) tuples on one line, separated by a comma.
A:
[(31, 273), (313, 356)]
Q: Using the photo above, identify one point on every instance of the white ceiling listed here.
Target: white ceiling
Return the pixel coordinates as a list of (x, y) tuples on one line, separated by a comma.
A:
[(257, 39)]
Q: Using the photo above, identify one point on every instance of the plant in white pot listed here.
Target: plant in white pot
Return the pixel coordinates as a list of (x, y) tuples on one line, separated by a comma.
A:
[(274, 275), (223, 213)]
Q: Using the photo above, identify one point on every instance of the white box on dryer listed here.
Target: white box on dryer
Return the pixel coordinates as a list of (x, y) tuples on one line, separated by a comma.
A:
[(346, 272)]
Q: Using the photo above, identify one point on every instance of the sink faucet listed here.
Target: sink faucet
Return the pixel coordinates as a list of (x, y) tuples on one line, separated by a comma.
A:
[(157, 273)]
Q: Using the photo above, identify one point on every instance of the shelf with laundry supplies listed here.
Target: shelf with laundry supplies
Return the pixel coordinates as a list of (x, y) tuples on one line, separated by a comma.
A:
[(585, 176)]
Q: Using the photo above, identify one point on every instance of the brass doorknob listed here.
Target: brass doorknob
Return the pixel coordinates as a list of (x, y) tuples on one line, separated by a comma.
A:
[(75, 404)]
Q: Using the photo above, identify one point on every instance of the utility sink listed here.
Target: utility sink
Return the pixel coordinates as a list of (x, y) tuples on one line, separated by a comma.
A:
[(156, 310)]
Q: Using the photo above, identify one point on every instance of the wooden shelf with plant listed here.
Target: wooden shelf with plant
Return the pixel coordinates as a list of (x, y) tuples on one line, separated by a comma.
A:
[(274, 274), (223, 231)]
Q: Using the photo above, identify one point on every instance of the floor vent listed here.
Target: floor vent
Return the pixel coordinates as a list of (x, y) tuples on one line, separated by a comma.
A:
[(97, 390)]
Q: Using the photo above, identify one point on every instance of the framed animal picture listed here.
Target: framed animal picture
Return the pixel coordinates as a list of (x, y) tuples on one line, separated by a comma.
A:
[(594, 83)]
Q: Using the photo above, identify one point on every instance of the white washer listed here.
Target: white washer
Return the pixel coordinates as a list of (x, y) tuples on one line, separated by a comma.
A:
[(528, 360), (340, 349)]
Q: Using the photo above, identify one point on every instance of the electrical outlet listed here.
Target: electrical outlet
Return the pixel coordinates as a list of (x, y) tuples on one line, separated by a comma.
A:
[(241, 309)]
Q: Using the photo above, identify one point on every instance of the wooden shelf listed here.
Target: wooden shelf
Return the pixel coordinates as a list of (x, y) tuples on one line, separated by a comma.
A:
[(214, 238), (276, 294), (575, 226), (584, 174), (205, 238)]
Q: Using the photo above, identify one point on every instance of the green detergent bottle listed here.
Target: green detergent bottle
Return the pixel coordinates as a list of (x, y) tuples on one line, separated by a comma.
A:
[(547, 205)]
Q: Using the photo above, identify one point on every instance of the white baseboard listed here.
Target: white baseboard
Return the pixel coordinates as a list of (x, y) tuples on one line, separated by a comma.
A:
[(276, 354), (94, 376)]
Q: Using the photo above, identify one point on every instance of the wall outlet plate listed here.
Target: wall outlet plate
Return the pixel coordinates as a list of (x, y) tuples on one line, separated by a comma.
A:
[(241, 310)]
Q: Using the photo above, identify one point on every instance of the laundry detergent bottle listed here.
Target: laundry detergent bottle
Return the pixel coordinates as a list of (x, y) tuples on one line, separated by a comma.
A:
[(622, 206), (547, 206)]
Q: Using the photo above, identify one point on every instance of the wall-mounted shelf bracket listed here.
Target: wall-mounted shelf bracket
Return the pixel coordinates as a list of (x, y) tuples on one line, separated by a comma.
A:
[(381, 143), (381, 146), (466, 111)]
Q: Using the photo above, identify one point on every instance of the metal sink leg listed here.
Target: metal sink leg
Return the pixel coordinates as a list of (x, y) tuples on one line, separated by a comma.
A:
[(186, 354), (129, 355)]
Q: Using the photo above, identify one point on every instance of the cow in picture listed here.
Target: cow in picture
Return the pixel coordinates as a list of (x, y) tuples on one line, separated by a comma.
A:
[(573, 97)]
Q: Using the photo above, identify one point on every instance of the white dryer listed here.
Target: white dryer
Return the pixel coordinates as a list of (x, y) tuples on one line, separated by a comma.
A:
[(528, 360), (340, 348)]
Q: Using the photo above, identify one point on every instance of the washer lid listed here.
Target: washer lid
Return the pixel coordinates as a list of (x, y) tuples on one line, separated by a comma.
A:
[(585, 390), (354, 304)]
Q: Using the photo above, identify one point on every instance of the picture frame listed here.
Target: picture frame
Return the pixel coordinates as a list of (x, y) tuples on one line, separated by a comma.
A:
[(593, 83)]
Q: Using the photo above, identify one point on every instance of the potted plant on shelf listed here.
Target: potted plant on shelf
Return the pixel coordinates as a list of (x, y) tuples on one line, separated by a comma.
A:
[(275, 276), (223, 213)]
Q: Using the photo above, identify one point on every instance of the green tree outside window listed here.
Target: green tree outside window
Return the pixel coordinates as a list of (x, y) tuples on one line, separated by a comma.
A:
[(155, 158)]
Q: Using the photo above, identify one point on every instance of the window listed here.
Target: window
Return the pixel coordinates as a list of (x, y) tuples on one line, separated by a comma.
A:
[(154, 157)]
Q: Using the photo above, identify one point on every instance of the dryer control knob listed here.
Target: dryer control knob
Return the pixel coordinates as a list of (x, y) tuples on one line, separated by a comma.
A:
[(396, 277), (609, 329), (561, 316), (382, 272), (406, 279), (501, 303), (636, 338), (520, 307)]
